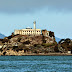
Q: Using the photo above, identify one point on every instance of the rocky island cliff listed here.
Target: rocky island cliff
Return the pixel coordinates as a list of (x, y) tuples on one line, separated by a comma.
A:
[(27, 44), (33, 45)]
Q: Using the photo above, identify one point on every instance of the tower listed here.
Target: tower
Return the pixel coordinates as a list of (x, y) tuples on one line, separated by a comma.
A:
[(34, 27)]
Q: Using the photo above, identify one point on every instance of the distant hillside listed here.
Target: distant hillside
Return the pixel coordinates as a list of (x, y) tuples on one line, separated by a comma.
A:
[(2, 36), (57, 39)]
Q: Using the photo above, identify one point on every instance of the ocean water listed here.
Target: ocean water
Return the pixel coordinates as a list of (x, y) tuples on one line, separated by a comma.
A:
[(35, 63)]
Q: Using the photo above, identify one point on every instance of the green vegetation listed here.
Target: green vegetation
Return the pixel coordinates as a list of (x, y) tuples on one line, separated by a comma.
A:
[(48, 44)]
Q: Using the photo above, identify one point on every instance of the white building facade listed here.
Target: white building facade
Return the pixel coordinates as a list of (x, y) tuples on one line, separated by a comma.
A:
[(28, 31)]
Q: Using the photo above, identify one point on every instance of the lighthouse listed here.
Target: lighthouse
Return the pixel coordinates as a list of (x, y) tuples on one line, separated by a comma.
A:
[(34, 27)]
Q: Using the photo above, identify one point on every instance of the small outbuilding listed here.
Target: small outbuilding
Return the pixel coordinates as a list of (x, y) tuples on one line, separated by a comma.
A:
[(69, 52)]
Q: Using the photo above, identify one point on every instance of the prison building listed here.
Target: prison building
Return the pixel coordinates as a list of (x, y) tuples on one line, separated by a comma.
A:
[(28, 31)]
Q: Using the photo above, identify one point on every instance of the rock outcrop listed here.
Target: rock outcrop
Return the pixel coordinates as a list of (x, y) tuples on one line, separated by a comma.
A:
[(22, 45), (64, 45)]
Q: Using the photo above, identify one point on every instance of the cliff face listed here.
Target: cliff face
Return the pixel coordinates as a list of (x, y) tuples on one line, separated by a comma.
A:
[(21, 45), (65, 45)]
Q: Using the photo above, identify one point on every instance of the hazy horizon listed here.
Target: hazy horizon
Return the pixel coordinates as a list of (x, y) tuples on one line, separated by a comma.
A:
[(53, 15)]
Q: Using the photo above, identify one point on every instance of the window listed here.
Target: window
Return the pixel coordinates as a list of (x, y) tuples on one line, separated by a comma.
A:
[(37, 31), (29, 31)]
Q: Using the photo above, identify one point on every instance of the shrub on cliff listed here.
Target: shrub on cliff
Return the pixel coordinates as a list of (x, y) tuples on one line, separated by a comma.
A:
[(56, 48), (65, 44), (62, 40), (1, 39), (26, 42), (19, 39), (22, 46), (37, 45), (4, 53), (43, 39), (15, 48), (1, 49), (36, 51), (51, 34), (67, 40), (26, 50), (9, 37), (12, 34), (5, 40), (19, 48), (48, 44)]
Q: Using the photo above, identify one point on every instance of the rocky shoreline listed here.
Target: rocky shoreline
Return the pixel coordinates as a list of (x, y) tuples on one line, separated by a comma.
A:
[(41, 54)]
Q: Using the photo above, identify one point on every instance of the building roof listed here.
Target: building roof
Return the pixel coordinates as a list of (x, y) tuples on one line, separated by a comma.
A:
[(28, 28), (44, 30)]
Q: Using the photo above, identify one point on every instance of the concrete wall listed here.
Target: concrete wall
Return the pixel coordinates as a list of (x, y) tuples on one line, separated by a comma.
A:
[(28, 32)]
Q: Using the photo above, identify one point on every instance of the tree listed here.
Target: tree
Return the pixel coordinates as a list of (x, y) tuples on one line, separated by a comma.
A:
[(12, 34), (51, 34), (67, 40), (61, 41)]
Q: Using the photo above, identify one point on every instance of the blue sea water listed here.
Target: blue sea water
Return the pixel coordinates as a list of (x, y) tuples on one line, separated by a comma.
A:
[(35, 63)]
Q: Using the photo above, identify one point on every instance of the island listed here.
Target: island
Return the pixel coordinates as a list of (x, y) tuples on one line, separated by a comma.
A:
[(34, 42)]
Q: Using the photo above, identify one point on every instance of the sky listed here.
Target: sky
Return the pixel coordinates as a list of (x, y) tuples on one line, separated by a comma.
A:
[(53, 15)]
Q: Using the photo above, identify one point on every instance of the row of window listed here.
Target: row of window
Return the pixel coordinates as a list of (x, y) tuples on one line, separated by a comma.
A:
[(31, 31), (28, 33)]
